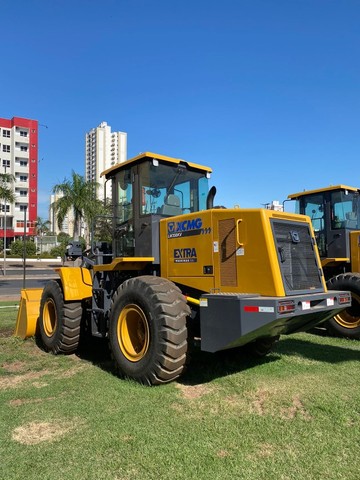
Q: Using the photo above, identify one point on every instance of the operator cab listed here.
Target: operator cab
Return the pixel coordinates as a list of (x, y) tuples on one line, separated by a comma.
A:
[(333, 212), (146, 189)]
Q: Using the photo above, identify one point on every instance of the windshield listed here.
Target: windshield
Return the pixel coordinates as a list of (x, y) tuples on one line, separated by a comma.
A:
[(171, 190), (313, 206), (345, 210)]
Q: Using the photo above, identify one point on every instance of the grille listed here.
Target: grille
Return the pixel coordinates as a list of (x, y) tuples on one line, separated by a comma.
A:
[(298, 265)]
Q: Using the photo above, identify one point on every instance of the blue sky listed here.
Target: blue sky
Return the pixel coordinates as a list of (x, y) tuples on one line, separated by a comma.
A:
[(266, 92)]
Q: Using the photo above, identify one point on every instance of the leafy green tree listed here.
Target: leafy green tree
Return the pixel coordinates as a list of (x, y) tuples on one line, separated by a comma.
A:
[(42, 228), (17, 248), (58, 251), (6, 191), (103, 226), (79, 197), (63, 238)]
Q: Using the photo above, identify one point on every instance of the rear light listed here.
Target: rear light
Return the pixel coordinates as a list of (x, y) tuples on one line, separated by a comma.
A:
[(287, 306), (344, 298)]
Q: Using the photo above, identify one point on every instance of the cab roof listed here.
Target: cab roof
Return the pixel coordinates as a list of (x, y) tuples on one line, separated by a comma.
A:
[(154, 156), (294, 196)]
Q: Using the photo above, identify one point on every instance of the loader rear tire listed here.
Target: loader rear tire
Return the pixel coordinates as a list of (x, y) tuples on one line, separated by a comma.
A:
[(147, 331), (59, 321), (347, 322)]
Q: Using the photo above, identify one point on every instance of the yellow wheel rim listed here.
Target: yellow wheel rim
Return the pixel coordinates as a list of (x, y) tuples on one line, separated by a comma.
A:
[(133, 333), (49, 317), (350, 318)]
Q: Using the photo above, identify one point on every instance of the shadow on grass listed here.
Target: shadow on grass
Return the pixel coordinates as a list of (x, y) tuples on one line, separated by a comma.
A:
[(315, 351), (205, 367), (91, 349), (96, 351)]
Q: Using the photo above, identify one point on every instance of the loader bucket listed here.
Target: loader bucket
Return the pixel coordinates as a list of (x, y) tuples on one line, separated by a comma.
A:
[(28, 313)]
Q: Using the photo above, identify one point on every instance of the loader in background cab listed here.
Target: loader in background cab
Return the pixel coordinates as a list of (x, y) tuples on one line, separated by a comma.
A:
[(180, 269), (335, 216)]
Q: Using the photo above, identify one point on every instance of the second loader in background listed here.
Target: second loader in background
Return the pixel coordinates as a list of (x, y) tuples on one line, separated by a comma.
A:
[(335, 215)]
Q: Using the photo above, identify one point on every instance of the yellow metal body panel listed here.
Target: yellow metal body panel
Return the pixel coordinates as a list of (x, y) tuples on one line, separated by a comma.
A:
[(294, 196), (333, 262), (355, 251), (237, 245), (124, 263), (76, 282), (28, 313), (156, 156)]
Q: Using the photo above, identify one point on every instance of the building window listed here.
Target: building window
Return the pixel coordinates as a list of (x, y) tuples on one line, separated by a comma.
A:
[(23, 208), (7, 208), (23, 133), (6, 163), (6, 133), (23, 193), (6, 148), (23, 149), (23, 178), (23, 163)]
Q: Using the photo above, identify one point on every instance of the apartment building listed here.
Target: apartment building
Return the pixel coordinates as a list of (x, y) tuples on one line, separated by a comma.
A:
[(68, 223), (19, 157), (103, 149)]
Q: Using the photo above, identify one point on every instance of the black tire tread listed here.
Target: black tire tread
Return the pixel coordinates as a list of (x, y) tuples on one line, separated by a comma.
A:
[(344, 281), (66, 339), (171, 311)]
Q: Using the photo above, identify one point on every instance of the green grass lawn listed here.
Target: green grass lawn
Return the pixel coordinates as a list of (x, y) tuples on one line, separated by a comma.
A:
[(292, 415)]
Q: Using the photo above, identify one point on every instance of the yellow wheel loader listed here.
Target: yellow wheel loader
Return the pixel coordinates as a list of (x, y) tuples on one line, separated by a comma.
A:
[(178, 269), (335, 216)]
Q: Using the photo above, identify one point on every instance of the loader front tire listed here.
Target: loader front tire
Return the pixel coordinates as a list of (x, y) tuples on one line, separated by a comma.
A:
[(147, 331), (59, 321), (347, 322)]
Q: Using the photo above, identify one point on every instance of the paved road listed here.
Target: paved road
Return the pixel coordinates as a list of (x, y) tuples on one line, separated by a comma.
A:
[(29, 272), (10, 287), (36, 276)]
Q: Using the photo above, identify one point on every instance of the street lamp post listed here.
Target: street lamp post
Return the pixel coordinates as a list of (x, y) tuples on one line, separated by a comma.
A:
[(24, 249)]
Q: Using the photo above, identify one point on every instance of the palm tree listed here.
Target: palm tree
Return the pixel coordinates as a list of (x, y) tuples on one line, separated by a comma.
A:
[(6, 192), (42, 227), (79, 197)]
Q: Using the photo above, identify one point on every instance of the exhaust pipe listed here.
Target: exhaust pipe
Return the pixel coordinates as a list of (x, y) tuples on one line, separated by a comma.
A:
[(210, 198)]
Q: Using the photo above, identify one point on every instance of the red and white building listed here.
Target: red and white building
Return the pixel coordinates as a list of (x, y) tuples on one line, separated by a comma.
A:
[(19, 157)]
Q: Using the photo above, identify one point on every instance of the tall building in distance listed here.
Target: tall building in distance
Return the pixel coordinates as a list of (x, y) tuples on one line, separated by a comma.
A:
[(19, 158), (68, 223), (103, 149)]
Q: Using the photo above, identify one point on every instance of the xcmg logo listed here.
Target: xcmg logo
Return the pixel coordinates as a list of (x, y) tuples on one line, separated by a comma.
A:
[(184, 228), (185, 255)]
